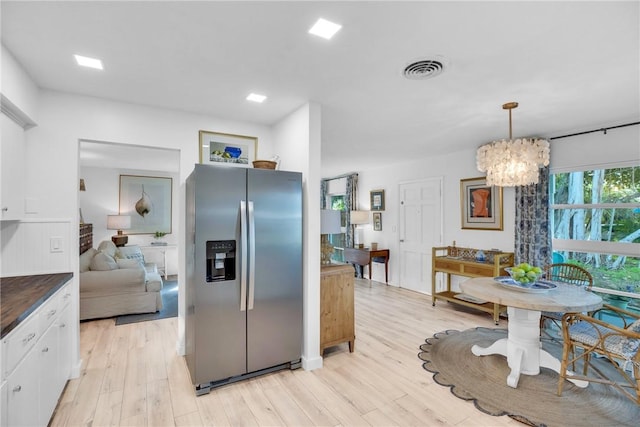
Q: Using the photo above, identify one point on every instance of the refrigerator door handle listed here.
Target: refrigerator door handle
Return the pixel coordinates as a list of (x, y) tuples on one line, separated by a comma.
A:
[(252, 255), (243, 255)]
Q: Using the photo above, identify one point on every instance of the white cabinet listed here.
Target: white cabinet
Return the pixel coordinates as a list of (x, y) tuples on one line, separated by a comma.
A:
[(48, 350), (22, 388), (12, 158), (37, 363), (3, 399), (63, 324)]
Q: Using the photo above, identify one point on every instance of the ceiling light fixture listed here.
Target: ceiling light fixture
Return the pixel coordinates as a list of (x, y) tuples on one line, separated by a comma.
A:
[(256, 97), (85, 61), (325, 29), (511, 163)]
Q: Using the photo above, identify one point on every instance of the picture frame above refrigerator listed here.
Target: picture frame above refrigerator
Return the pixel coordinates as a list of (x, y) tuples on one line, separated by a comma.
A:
[(227, 149)]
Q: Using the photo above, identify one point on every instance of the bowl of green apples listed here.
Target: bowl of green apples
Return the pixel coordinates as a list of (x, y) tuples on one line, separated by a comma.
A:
[(524, 274)]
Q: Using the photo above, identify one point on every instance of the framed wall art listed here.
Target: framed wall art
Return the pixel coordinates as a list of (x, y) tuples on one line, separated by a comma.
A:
[(480, 204), (228, 149), (377, 221), (147, 199), (377, 200)]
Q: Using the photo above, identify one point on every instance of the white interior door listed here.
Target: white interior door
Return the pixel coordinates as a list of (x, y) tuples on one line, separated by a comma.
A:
[(420, 230)]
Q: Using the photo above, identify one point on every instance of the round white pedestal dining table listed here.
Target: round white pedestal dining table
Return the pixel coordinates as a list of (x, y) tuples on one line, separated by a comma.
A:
[(522, 347)]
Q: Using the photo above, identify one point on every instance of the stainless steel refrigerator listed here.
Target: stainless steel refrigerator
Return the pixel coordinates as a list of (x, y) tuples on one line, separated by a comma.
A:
[(243, 288)]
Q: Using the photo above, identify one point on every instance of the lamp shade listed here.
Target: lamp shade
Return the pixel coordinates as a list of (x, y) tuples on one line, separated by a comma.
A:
[(118, 222), (330, 222), (359, 217)]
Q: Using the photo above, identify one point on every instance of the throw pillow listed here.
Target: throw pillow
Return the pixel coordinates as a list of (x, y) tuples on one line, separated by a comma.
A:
[(130, 252), (85, 259), (103, 262), (108, 247)]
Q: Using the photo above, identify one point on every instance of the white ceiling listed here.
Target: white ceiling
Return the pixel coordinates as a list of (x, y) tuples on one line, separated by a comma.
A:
[(572, 66)]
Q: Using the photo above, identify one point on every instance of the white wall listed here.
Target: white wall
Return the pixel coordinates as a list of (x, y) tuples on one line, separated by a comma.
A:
[(617, 146), (297, 142)]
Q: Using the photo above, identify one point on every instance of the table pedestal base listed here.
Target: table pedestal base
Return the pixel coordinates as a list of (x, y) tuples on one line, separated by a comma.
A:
[(522, 347)]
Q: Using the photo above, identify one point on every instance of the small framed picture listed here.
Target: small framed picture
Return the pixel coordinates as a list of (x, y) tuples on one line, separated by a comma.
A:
[(377, 221), (228, 149), (377, 200), (480, 205)]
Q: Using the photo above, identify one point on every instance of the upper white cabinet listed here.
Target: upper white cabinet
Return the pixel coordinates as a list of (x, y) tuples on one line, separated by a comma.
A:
[(12, 169)]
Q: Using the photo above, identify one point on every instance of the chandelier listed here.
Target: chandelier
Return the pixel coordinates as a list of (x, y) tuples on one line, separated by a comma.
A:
[(513, 162)]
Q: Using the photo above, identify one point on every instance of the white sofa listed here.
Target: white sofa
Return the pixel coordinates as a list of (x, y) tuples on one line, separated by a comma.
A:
[(117, 281)]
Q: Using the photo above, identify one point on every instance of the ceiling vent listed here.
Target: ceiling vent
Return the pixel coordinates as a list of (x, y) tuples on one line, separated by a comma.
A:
[(425, 68)]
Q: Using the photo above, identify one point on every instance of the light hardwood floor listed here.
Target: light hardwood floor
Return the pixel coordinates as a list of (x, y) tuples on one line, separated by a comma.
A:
[(132, 376)]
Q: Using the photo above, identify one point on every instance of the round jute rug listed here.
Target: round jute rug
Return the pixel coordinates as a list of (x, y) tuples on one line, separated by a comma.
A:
[(535, 402)]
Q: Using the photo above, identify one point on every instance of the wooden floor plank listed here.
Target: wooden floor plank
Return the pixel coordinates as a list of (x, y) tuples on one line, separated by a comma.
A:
[(132, 376), (108, 409)]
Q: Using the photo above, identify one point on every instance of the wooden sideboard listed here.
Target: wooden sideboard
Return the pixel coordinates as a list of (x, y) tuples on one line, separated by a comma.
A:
[(337, 320), (451, 260)]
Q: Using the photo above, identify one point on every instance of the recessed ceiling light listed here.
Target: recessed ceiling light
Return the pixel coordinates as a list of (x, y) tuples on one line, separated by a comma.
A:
[(85, 61), (325, 29), (256, 97)]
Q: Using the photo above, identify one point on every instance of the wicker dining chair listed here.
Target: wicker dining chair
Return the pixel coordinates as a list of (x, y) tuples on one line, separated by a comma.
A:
[(565, 273), (585, 335)]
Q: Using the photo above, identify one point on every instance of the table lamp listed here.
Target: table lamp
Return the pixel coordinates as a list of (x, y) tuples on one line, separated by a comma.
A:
[(358, 218), (329, 224), (119, 222)]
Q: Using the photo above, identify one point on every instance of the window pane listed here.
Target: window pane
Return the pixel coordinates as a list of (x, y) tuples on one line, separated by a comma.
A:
[(338, 240), (603, 239), (607, 225)]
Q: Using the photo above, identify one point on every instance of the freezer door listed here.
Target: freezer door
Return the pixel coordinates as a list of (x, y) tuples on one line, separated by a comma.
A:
[(219, 322), (274, 307)]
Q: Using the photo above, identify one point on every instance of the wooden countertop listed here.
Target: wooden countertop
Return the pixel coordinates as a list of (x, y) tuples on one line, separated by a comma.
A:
[(21, 295)]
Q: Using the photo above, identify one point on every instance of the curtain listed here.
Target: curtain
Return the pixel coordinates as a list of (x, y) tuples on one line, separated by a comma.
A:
[(351, 204), (532, 232), (324, 186)]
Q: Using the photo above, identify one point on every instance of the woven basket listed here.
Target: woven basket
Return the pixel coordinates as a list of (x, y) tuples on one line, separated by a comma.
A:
[(264, 164)]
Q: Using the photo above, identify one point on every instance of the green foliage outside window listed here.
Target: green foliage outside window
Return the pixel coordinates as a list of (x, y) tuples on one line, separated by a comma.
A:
[(607, 209)]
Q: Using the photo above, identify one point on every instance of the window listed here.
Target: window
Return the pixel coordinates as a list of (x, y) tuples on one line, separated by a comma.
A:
[(338, 240), (595, 223)]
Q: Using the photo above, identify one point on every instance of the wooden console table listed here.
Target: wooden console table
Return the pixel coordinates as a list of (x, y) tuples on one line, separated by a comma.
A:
[(366, 256), (337, 320), (462, 262)]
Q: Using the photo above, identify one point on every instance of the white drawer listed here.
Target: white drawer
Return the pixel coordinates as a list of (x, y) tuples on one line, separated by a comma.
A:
[(65, 296), (19, 341), (48, 312)]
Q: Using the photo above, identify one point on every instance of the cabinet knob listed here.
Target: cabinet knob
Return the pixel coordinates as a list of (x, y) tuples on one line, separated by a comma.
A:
[(17, 388), (5, 209), (63, 325), (45, 350), (51, 313)]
